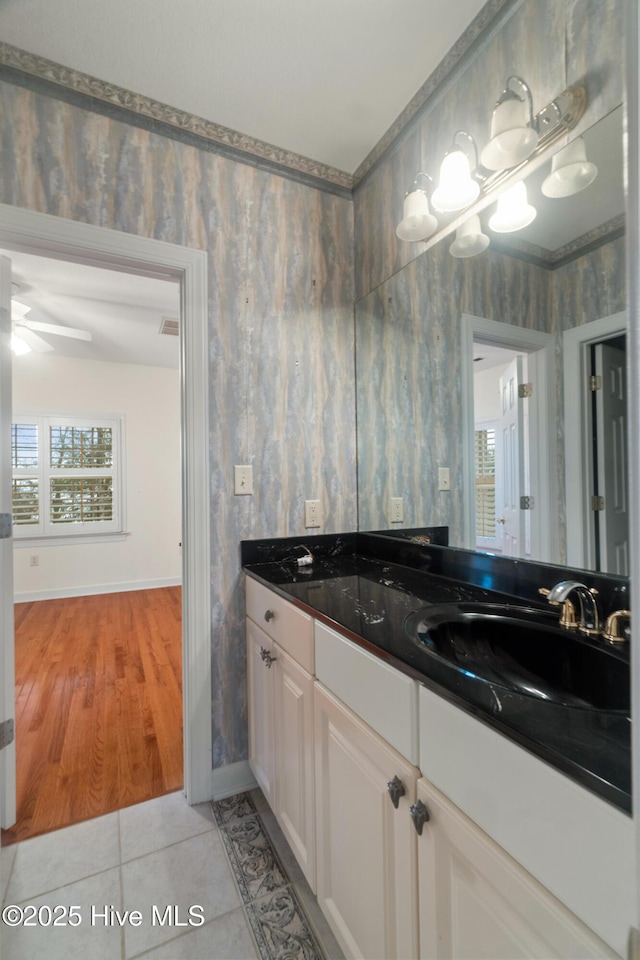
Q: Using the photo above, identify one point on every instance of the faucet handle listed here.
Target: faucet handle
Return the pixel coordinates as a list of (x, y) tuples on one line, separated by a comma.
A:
[(568, 617), (545, 591), (613, 630)]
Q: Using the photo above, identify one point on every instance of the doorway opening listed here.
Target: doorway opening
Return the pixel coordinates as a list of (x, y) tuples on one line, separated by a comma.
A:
[(501, 447), (44, 235), (596, 441), (97, 531), (509, 461)]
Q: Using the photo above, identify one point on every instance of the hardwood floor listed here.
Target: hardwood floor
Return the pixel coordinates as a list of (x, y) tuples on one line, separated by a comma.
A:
[(98, 706)]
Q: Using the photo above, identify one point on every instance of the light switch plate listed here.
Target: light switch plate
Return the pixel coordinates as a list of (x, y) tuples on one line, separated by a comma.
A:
[(243, 480), (444, 481)]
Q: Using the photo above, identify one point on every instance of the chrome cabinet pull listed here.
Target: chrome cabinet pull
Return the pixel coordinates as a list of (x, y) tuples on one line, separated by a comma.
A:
[(419, 815), (269, 615), (396, 790), (265, 656)]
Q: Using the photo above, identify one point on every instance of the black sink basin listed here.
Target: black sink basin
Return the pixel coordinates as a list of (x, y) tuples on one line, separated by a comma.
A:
[(491, 653)]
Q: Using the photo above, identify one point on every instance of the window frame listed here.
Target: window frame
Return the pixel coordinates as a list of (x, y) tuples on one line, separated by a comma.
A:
[(48, 531)]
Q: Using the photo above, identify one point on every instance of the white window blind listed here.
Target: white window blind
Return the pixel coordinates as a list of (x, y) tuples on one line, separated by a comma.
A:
[(485, 458), (66, 476)]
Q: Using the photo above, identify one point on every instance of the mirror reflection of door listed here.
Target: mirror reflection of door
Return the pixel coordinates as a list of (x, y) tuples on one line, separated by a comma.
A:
[(610, 473), (512, 467), (501, 451)]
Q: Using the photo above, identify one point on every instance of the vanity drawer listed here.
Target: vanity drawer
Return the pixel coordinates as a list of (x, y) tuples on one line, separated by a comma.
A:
[(383, 697), (291, 628)]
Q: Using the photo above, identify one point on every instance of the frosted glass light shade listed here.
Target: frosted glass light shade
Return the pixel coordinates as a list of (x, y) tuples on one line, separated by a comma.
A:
[(513, 212), (456, 189), (571, 172), (512, 140), (470, 240), (417, 222)]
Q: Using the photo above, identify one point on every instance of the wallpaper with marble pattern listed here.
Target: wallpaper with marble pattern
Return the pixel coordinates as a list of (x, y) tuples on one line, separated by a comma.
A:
[(281, 392), (409, 378), (551, 44)]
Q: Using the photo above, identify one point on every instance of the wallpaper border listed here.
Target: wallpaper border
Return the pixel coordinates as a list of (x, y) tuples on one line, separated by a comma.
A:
[(80, 89)]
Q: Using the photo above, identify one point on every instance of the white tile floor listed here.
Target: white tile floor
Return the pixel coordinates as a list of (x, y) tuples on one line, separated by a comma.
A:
[(155, 854)]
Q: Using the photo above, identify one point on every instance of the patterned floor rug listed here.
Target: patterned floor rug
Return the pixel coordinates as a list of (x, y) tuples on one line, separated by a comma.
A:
[(277, 919)]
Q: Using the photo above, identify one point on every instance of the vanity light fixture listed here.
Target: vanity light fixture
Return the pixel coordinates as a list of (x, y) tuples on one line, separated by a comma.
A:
[(456, 189), (513, 211), (417, 222), (470, 240), (571, 172), (514, 136)]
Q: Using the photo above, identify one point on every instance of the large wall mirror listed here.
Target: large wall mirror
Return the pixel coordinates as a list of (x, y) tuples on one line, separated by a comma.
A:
[(446, 349)]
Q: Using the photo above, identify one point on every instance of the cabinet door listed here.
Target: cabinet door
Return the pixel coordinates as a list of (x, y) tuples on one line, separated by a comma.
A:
[(295, 800), (366, 848), (477, 902), (260, 693)]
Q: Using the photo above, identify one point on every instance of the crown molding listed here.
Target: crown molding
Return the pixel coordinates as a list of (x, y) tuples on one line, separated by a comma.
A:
[(56, 79)]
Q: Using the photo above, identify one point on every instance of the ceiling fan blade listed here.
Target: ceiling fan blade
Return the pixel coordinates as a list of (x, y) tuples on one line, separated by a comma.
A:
[(36, 343), (57, 330)]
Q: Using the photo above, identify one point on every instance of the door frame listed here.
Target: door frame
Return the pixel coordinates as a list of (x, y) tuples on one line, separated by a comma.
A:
[(540, 348), (49, 236), (577, 443)]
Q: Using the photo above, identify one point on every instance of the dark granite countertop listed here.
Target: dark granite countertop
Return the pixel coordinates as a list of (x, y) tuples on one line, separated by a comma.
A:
[(368, 598)]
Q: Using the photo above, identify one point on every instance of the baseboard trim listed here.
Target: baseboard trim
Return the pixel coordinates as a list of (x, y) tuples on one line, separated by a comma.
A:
[(231, 779), (93, 589)]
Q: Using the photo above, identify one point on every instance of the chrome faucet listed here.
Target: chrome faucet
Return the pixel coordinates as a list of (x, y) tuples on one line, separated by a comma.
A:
[(589, 622)]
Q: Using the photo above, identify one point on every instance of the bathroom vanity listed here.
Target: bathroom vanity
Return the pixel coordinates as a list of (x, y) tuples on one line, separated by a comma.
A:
[(432, 819)]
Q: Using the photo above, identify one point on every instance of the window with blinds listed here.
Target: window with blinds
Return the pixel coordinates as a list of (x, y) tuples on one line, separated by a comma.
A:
[(485, 459), (66, 476)]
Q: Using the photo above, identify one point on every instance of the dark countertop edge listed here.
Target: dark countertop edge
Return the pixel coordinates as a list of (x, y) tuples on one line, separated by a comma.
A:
[(590, 781)]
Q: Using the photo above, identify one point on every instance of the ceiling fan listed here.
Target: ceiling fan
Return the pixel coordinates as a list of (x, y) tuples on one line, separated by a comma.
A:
[(25, 333)]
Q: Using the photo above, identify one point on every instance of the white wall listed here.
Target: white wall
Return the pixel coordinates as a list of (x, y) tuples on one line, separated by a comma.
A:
[(149, 398), (486, 393)]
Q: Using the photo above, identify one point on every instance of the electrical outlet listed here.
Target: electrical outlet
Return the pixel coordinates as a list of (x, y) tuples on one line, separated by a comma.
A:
[(396, 510), (312, 513), (243, 480), (444, 482), (34, 560)]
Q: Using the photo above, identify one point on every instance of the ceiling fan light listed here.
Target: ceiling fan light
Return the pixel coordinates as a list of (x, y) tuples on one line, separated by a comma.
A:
[(417, 222), (571, 172), (513, 211), (456, 189), (470, 240), (18, 345)]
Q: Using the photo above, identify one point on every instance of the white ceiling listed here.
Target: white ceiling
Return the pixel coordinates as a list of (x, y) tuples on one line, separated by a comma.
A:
[(122, 312), (322, 78)]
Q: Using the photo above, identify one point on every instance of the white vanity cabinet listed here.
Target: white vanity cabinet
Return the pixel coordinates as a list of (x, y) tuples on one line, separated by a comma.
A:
[(280, 693), (366, 846), (504, 866), (477, 902)]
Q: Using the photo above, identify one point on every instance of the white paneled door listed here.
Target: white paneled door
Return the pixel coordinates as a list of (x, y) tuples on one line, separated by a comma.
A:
[(512, 432)]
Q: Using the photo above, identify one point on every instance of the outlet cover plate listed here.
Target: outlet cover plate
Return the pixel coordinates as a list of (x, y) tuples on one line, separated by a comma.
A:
[(396, 510), (312, 513)]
